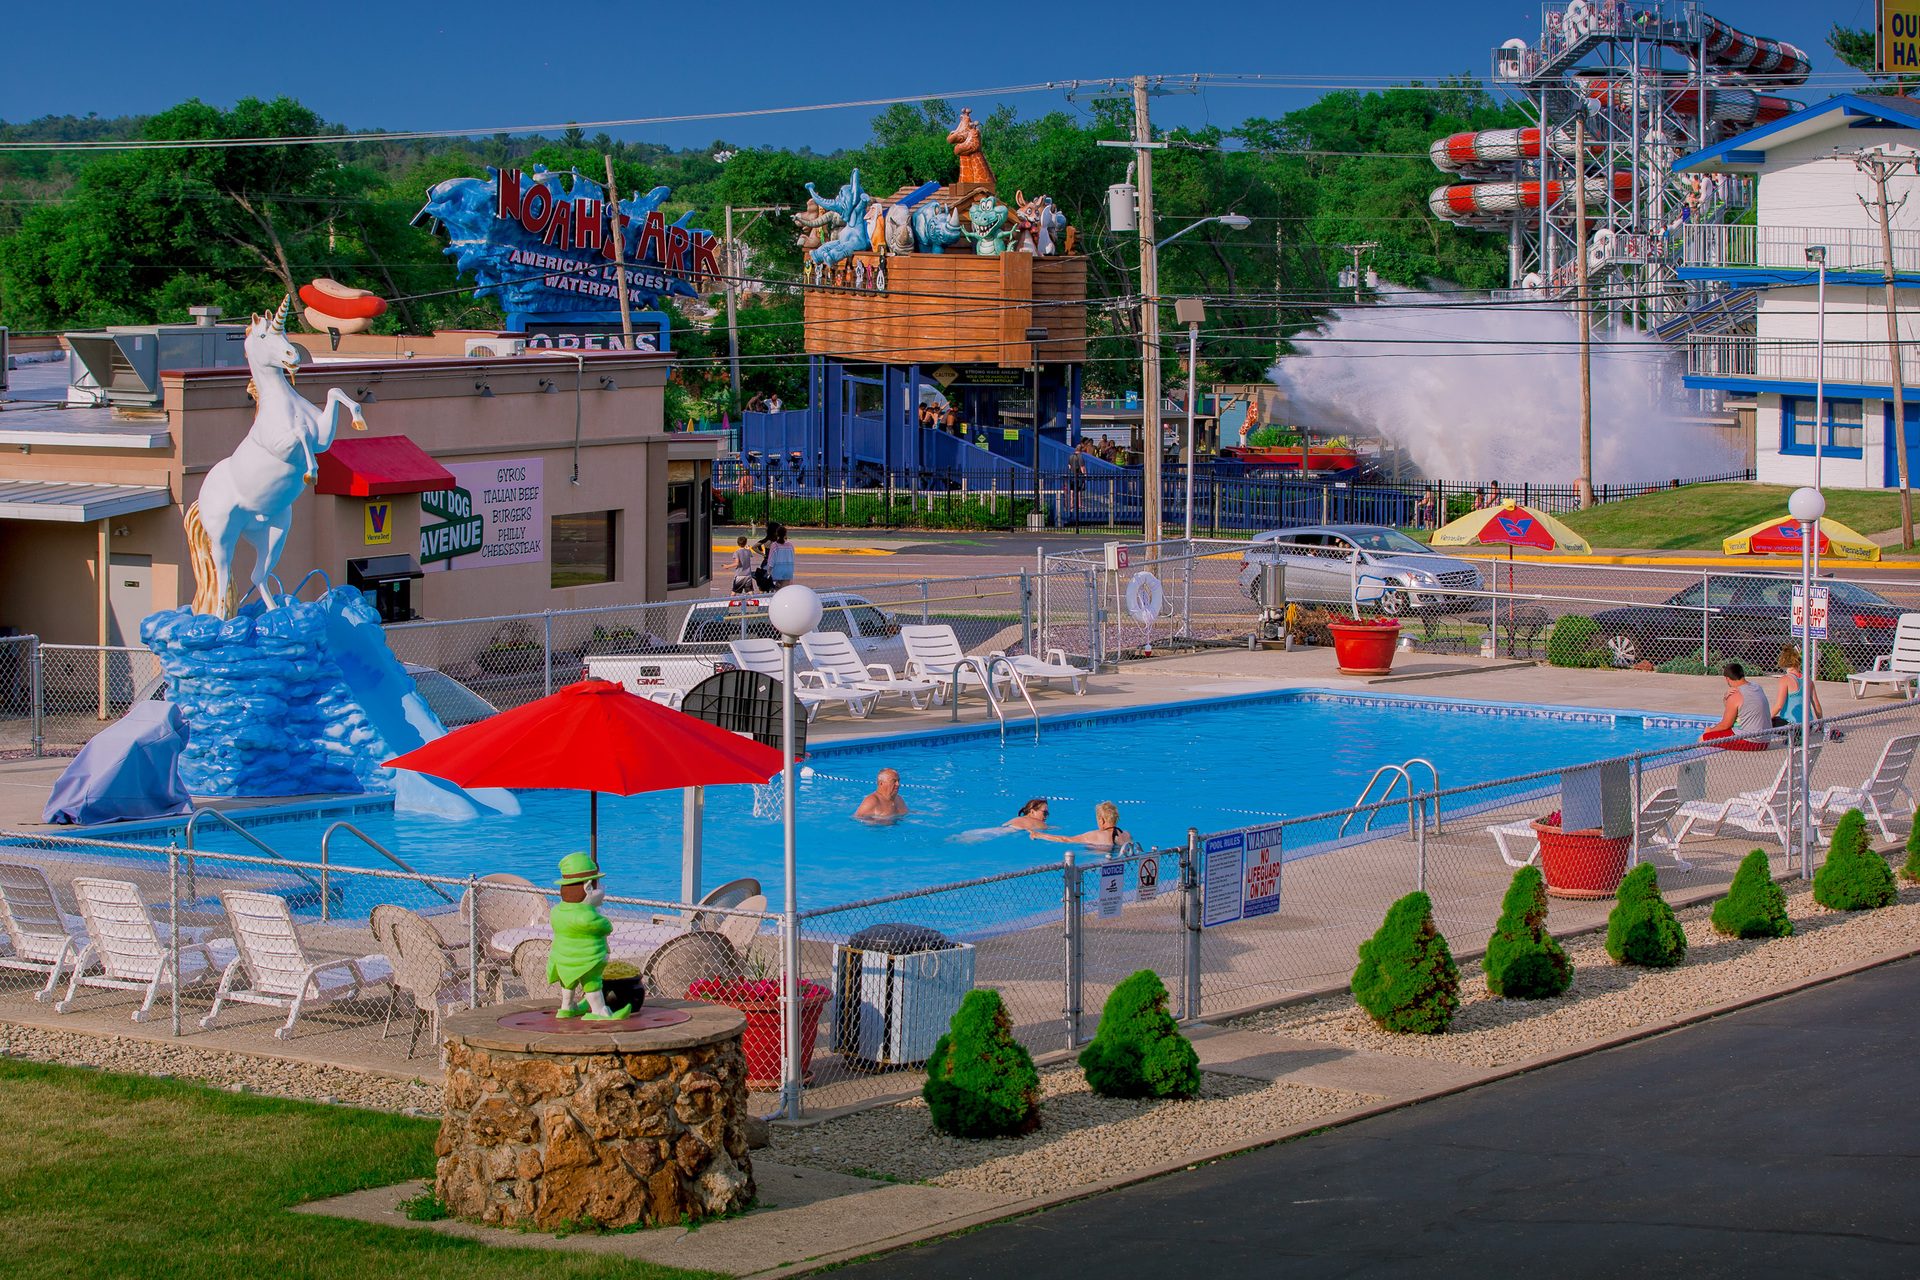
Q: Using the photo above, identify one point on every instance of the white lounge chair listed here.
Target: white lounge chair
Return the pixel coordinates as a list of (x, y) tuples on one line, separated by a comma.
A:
[(810, 688), (278, 971), (1056, 667), (1901, 668), (1762, 813), (1656, 831), (1880, 795), (131, 950), (934, 653), (833, 656), (45, 939)]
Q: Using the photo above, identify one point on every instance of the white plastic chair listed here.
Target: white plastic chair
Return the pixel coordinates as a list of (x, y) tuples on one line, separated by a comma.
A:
[(833, 656), (1761, 813), (742, 930), (934, 653), (1056, 667), (45, 939), (1901, 668), (810, 688), (277, 968), (1880, 794), (131, 950), (1656, 818)]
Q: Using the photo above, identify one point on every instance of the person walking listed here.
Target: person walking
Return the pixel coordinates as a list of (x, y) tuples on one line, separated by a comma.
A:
[(776, 556), (1425, 511)]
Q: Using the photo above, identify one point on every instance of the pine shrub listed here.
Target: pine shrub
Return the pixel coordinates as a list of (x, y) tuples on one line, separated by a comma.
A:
[(1911, 870), (1854, 877), (981, 1082), (1641, 928), (1140, 1052), (1523, 960), (1755, 906), (1406, 977)]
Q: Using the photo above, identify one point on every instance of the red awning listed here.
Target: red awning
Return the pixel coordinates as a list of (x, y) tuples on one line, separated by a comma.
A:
[(377, 465)]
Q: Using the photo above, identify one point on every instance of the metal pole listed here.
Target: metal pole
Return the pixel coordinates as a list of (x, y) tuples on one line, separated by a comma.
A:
[(923, 602), (1190, 889), (1820, 379), (473, 941), (1633, 857), (1149, 322), (1706, 618), (1193, 395), (1026, 610), (1070, 1009), (546, 618), (173, 930), (105, 585), (1419, 839), (790, 922), (1804, 793), (326, 883), (733, 319), (36, 675), (1586, 313), (1094, 645), (693, 807)]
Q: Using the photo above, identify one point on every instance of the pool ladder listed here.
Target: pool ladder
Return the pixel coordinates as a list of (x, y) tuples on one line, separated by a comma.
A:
[(1392, 772), (985, 667)]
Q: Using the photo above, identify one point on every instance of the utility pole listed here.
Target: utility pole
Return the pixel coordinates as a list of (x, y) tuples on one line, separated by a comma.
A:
[(1586, 313), (733, 268), (1149, 321), (619, 252), (1880, 166), (1356, 250)]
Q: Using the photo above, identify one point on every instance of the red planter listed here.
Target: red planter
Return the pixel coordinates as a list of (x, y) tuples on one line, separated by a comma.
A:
[(762, 1038), (1364, 648), (1582, 864)]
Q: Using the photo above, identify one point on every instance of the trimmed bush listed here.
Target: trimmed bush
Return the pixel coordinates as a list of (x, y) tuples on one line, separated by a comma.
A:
[(981, 1082), (1406, 977), (1755, 906), (1854, 877), (1140, 1052), (1641, 928), (1911, 870), (1523, 960), (1575, 642)]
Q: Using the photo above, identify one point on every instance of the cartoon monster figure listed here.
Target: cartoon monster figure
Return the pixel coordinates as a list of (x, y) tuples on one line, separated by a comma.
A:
[(580, 940), (989, 226)]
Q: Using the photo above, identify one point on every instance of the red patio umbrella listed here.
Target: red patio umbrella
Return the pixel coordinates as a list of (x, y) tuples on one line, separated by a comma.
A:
[(593, 736)]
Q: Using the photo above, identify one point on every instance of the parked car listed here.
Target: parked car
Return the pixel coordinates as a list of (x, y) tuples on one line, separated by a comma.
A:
[(1750, 617), (1320, 565), (447, 698)]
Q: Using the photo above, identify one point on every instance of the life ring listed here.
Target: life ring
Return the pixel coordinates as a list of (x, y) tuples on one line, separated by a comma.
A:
[(1600, 248), (1578, 21), (1144, 598)]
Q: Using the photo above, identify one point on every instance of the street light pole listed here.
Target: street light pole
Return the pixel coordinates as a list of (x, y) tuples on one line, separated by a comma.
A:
[(1806, 506), (1817, 254), (794, 611)]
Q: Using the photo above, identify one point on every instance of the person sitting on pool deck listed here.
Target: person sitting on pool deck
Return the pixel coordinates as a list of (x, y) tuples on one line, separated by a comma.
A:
[(1033, 816), (1746, 711), (884, 800), (1107, 835)]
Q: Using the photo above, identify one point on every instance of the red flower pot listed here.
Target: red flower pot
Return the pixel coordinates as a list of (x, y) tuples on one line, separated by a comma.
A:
[(1364, 648), (760, 1002), (1581, 864)]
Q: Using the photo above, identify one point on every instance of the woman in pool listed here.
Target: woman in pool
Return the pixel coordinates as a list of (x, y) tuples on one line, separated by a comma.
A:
[(1033, 816), (1107, 835)]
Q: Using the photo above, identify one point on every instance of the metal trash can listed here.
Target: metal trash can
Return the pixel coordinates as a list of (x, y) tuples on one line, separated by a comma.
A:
[(896, 988)]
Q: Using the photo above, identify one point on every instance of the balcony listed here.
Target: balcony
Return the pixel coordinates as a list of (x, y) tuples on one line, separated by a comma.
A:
[(1736, 250), (1859, 364)]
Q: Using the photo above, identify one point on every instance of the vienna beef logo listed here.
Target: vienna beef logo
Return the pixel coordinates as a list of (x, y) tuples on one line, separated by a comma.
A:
[(583, 224)]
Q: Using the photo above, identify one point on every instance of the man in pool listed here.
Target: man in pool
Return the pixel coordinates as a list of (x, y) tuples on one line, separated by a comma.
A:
[(1107, 835), (580, 940), (1033, 816), (884, 800)]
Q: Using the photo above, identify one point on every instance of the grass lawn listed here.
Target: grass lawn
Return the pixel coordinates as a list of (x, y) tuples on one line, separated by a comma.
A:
[(1698, 517), (124, 1176)]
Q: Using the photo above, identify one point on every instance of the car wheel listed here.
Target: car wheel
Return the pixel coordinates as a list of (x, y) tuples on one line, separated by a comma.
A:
[(1623, 650), (1393, 603)]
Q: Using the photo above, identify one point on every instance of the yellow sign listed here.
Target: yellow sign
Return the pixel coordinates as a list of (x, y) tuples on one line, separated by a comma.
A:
[(1896, 46), (379, 522)]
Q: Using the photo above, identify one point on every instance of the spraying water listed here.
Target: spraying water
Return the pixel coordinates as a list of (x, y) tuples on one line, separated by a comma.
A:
[(1485, 391)]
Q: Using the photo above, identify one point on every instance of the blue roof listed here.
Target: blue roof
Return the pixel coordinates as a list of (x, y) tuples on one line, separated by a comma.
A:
[(1895, 112)]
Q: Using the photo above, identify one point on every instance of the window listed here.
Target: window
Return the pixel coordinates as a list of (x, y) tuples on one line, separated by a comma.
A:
[(834, 618), (1388, 540), (872, 622), (1846, 434), (689, 534), (583, 549)]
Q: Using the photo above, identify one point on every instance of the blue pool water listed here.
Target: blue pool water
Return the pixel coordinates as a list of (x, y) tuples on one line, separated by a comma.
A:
[(1213, 766)]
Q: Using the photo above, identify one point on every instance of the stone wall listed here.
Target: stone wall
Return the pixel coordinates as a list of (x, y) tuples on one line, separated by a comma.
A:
[(550, 1139)]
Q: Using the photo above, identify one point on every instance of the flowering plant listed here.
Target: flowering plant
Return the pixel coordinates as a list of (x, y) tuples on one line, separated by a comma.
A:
[(749, 991), (1342, 621), (1551, 820)]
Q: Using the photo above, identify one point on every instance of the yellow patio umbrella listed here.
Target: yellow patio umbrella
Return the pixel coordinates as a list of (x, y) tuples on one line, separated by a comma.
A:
[(1509, 525), (1781, 537)]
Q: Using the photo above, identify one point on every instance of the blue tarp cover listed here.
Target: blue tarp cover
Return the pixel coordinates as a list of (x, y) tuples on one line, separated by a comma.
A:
[(131, 769)]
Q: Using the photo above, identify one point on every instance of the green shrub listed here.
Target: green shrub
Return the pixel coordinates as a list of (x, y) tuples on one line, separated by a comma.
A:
[(1689, 664), (1140, 1052), (1641, 928), (1911, 870), (981, 1082), (1755, 906), (1575, 642), (1524, 960), (1854, 877), (1406, 977)]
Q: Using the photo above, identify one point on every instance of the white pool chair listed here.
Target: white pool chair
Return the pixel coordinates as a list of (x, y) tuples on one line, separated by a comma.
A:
[(934, 653), (832, 655), (810, 688), (132, 952), (1762, 813), (278, 971), (1056, 667), (1656, 831), (1900, 668), (44, 938), (1880, 795)]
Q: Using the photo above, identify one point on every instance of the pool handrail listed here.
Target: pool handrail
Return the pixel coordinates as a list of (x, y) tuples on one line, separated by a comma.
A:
[(986, 678), (250, 838), (1434, 772), (325, 860), (1396, 771)]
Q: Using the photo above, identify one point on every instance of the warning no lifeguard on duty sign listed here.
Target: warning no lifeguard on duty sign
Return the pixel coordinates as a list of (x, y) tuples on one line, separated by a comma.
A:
[(1240, 875)]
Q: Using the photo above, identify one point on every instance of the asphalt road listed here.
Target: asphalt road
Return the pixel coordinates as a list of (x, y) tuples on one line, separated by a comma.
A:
[(1781, 1140)]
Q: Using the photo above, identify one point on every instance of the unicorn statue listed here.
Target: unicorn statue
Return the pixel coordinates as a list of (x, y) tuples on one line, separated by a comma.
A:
[(251, 494)]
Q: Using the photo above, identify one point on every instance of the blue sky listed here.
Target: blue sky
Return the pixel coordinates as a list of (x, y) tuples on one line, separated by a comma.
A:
[(481, 64)]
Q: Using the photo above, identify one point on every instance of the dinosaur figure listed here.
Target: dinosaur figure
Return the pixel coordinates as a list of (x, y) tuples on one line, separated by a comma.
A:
[(989, 226)]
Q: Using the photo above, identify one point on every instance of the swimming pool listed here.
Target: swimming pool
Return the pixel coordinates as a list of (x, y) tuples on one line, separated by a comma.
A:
[(1213, 765)]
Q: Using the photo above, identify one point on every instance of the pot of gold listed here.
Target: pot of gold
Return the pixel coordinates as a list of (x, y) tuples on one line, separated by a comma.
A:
[(621, 983)]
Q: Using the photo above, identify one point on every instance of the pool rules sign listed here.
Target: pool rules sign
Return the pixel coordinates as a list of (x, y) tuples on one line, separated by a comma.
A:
[(1241, 875)]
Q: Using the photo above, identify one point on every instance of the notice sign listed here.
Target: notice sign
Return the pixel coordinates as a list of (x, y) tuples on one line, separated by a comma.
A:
[(1263, 872), (495, 515), (1819, 619), (1224, 878), (1149, 880), (1113, 885)]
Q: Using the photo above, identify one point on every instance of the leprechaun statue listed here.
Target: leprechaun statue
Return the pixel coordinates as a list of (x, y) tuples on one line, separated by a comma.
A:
[(580, 940)]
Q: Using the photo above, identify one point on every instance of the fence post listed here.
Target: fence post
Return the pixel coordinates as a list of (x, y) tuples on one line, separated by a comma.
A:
[(923, 602), (173, 932), (1420, 841), (1633, 856), (1070, 1008), (1190, 909), (1704, 615), (1093, 620), (1026, 611), (546, 616), (326, 882), (36, 676), (473, 941)]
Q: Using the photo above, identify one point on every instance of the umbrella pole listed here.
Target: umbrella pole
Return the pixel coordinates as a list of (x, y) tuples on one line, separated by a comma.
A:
[(593, 826), (693, 805)]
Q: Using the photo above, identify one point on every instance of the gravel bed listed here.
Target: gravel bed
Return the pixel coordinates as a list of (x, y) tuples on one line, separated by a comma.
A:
[(1082, 1138), (1608, 998), (235, 1072)]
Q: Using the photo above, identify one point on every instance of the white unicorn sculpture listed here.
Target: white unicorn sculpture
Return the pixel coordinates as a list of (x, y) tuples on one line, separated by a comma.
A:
[(251, 494)]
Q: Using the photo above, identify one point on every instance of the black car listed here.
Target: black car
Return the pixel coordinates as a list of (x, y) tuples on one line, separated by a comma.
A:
[(1747, 619)]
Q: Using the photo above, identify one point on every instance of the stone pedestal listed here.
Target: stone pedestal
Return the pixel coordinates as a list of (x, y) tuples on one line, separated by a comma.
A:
[(544, 1129)]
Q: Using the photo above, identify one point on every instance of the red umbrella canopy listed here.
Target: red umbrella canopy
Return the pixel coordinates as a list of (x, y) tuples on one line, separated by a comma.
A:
[(593, 736), (1782, 538), (1517, 528)]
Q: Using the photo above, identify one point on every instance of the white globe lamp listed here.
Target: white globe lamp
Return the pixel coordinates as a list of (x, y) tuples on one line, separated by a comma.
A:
[(1805, 504), (795, 610)]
